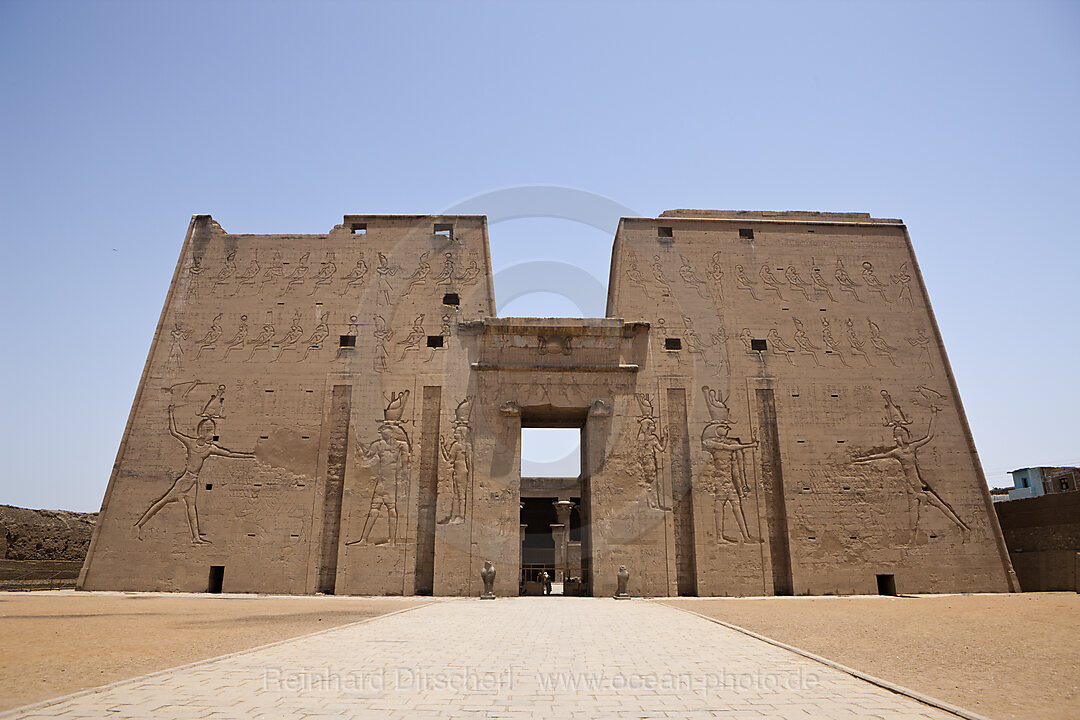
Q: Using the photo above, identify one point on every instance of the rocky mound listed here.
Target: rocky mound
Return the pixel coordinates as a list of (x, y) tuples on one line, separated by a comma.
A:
[(44, 534)]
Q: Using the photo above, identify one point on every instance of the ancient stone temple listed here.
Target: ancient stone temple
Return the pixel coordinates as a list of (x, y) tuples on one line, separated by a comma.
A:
[(766, 409)]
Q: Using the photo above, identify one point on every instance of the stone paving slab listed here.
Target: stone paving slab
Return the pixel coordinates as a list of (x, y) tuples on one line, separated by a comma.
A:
[(510, 658)]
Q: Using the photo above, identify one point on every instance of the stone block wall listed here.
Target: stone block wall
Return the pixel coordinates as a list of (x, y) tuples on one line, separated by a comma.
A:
[(766, 409)]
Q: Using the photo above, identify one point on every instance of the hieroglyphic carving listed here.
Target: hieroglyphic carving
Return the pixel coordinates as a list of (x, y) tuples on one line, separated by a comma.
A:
[(725, 476), (599, 408), (770, 280), (919, 491), (856, 343), (274, 272), (214, 408), (820, 285), (634, 273), (658, 275), (315, 340), (777, 346), (903, 279), (719, 340), (385, 271), (211, 336), (894, 414), (239, 339), (382, 335), (471, 274), (716, 404), (415, 339), (355, 278), (881, 347), (195, 269), (288, 342), (185, 487), (651, 445), (250, 273), (795, 282), (872, 281), (715, 273), (832, 343), (457, 452), (446, 276), (554, 344), (419, 275), (747, 338), (183, 389), (176, 351), (389, 459), (228, 268), (326, 273), (265, 336), (846, 283), (929, 397), (445, 331), (806, 347), (695, 344), (690, 277), (299, 273), (923, 342), (744, 282)]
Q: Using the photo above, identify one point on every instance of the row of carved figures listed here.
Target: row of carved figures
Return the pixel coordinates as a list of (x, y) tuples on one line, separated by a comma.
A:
[(856, 344), (279, 277), (726, 478), (388, 457), (246, 347), (855, 347), (767, 283)]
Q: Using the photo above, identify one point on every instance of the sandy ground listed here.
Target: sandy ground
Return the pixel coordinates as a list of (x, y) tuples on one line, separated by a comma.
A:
[(55, 643), (1003, 656)]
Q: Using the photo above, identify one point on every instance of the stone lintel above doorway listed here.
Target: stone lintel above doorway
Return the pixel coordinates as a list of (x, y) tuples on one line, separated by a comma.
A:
[(569, 344)]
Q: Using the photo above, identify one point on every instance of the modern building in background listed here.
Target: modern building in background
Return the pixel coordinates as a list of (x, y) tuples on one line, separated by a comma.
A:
[(767, 408), (1038, 481)]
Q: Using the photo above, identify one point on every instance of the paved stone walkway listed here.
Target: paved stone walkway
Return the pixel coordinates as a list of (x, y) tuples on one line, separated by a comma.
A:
[(509, 658)]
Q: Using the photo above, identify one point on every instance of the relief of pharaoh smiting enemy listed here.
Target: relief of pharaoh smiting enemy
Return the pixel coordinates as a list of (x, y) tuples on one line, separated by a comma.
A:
[(725, 476), (918, 490), (198, 449), (388, 456)]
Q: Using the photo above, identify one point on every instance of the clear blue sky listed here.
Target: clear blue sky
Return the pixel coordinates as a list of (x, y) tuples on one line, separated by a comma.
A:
[(118, 121)]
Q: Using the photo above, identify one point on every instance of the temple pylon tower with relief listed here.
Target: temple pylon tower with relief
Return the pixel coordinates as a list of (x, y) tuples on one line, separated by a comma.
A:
[(766, 409)]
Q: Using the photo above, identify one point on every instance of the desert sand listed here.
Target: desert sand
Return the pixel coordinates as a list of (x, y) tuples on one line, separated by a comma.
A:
[(55, 643), (1002, 656)]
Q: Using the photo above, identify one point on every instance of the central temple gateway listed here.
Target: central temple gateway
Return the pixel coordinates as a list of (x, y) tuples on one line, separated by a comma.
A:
[(766, 409)]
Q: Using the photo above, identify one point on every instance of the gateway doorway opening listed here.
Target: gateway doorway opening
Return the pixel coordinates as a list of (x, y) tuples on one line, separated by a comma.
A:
[(554, 551)]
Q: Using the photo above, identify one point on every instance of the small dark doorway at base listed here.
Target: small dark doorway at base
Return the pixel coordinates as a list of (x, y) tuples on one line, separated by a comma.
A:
[(886, 585), (217, 577)]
